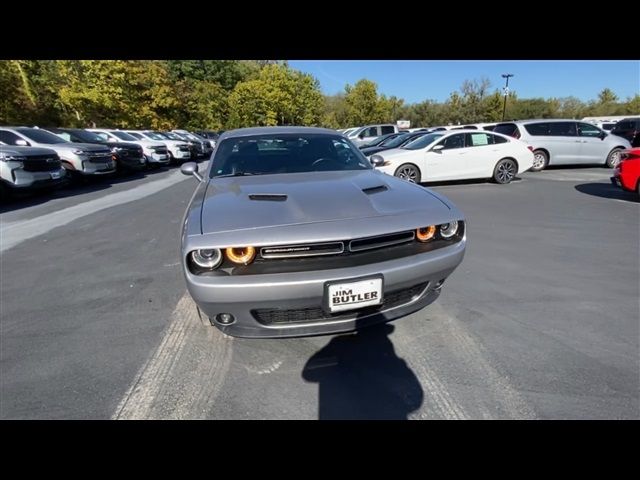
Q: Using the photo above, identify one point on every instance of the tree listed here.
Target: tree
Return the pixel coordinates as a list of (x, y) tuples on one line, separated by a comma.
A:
[(365, 106), (279, 96)]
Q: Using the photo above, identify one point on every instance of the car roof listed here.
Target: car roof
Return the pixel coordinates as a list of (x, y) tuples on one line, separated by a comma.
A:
[(246, 132)]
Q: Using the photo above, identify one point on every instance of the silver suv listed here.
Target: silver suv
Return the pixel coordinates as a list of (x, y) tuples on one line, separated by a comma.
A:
[(80, 159), (565, 142), (363, 135), (29, 168)]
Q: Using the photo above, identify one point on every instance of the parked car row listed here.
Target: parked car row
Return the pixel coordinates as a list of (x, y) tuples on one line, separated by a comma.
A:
[(33, 158), (497, 151)]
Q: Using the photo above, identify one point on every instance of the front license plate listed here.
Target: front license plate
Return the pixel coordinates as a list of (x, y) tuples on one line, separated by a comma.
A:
[(340, 296), (55, 175)]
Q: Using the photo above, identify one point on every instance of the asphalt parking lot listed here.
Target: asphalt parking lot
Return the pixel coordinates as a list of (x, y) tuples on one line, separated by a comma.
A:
[(540, 321)]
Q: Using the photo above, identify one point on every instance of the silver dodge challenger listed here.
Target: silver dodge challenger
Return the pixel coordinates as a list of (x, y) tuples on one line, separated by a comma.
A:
[(292, 232)]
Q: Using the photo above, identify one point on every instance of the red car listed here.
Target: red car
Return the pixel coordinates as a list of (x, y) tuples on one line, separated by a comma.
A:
[(627, 173)]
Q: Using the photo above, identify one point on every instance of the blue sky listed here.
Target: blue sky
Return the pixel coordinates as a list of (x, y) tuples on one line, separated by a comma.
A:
[(418, 80)]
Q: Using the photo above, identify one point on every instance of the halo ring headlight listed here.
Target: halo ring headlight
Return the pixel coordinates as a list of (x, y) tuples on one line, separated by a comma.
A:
[(241, 255), (208, 258), (424, 234), (448, 230)]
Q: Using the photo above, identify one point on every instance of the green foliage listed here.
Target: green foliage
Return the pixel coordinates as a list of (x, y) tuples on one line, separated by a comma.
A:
[(222, 94), (278, 96)]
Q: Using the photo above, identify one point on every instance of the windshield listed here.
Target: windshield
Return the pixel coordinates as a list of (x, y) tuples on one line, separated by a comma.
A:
[(397, 141), (86, 136), (423, 141), (124, 136), (41, 136), (155, 135), (286, 153), (135, 136), (171, 136)]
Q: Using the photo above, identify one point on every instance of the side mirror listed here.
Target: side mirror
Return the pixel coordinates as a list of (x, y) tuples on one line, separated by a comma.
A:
[(22, 143), (437, 148), (361, 135), (603, 135), (376, 160), (191, 168)]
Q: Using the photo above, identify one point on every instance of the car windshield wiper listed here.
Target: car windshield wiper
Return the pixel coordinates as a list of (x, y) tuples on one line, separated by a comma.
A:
[(237, 174)]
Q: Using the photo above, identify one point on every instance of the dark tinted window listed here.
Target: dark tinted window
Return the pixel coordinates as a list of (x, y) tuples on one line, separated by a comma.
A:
[(470, 127), (623, 126), (125, 136), (509, 129), (454, 141), (489, 127), (8, 137), (498, 139), (535, 129), (286, 153), (608, 126), (588, 130), (369, 132), (562, 129), (387, 129), (41, 136)]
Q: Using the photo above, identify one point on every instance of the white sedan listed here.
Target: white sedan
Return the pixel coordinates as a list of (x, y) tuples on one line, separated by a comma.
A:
[(457, 155)]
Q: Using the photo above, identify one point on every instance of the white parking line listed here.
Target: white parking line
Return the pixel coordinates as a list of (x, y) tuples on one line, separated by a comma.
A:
[(460, 400), (11, 234), (182, 378)]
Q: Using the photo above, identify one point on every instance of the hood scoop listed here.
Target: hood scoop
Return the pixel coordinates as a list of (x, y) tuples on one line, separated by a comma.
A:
[(377, 189), (268, 197)]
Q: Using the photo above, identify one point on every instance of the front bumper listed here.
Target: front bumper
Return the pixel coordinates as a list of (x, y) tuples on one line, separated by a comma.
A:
[(25, 180), (157, 158), (289, 294)]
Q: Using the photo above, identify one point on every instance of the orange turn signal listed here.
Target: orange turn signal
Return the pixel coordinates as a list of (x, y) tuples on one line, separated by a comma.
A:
[(425, 234), (241, 255)]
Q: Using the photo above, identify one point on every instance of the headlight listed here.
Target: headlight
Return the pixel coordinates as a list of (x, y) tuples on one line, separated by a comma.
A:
[(241, 255), (79, 152), (448, 230), (207, 258), (424, 234), (7, 157)]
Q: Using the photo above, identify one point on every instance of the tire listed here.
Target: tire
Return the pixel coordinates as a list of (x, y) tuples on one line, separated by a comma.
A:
[(540, 160), (613, 158), (505, 171), (408, 172)]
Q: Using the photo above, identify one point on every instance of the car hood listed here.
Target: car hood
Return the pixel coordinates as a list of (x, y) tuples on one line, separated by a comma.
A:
[(89, 147), (397, 153), (26, 151), (254, 202)]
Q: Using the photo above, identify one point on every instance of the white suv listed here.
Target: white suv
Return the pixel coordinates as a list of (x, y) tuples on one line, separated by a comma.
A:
[(155, 153), (179, 150)]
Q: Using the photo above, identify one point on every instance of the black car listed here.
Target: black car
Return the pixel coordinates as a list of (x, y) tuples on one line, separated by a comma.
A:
[(382, 138), (628, 128), (395, 142), (128, 156)]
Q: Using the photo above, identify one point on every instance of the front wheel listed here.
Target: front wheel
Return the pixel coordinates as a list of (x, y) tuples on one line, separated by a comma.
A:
[(613, 158), (540, 160), (408, 172), (505, 171)]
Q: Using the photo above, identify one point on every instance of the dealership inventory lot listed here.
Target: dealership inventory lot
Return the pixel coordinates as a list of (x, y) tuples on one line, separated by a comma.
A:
[(539, 321)]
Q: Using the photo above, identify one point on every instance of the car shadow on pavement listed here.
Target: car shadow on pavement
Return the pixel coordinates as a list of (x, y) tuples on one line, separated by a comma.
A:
[(607, 190), (474, 181), (21, 200), (360, 377)]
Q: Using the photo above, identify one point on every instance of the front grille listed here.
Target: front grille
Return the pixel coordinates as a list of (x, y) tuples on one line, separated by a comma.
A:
[(392, 299), (99, 155), (380, 241), (160, 150), (44, 163), (293, 251)]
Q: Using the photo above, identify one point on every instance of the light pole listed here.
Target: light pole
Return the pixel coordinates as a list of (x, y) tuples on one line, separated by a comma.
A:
[(506, 92)]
